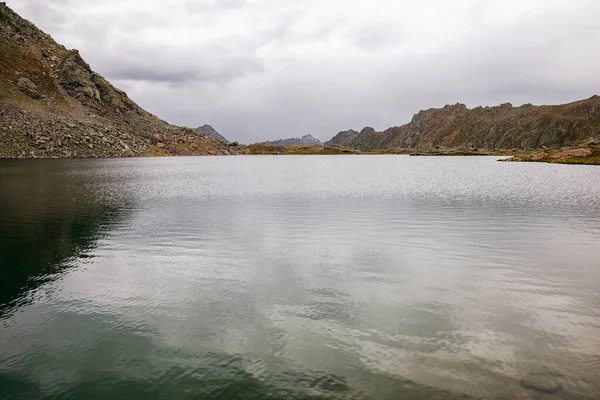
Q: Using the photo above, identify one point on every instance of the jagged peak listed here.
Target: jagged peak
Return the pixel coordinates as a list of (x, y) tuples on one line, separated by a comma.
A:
[(306, 139), (209, 131), (348, 131), (367, 130), (457, 106)]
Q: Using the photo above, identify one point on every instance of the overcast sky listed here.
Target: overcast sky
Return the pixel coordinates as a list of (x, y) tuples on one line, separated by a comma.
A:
[(268, 69)]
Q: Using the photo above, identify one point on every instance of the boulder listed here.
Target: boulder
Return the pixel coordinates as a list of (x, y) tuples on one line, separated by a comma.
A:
[(28, 87), (544, 381)]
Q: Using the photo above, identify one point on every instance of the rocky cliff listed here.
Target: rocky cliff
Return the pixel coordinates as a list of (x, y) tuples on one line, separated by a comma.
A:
[(502, 127), (209, 131), (343, 138), (52, 104), (304, 140)]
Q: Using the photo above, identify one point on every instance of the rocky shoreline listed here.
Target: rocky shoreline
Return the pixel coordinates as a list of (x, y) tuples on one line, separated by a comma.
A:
[(589, 155)]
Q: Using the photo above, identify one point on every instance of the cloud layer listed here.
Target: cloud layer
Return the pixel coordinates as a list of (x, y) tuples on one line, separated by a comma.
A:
[(267, 69)]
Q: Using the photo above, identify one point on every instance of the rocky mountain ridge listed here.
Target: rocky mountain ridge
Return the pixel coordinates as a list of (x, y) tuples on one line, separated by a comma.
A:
[(52, 104), (304, 140), (527, 127)]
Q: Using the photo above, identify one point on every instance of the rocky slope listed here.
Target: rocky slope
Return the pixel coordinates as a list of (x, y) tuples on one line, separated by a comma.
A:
[(209, 131), (304, 140), (343, 138), (503, 127), (52, 104)]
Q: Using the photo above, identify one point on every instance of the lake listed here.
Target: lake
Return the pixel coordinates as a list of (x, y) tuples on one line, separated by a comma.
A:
[(298, 277)]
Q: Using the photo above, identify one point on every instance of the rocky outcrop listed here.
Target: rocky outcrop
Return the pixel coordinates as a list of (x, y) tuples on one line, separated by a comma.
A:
[(590, 155), (209, 131), (304, 140), (343, 138), (28, 87), (78, 79), (52, 104), (502, 127)]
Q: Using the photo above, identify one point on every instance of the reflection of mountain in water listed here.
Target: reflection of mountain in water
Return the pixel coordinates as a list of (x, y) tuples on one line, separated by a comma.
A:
[(47, 219)]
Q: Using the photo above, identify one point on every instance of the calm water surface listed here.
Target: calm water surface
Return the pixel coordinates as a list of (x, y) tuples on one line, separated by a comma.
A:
[(267, 277)]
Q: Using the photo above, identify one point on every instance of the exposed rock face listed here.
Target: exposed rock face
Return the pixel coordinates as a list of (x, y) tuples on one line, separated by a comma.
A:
[(52, 104), (501, 127), (209, 131), (78, 79), (343, 138), (28, 87), (306, 139)]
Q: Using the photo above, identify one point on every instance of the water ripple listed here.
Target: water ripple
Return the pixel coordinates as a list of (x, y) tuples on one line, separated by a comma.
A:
[(297, 278)]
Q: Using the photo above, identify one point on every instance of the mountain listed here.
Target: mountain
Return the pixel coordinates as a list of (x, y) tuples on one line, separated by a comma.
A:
[(52, 104), (306, 139), (209, 131), (343, 137), (526, 127)]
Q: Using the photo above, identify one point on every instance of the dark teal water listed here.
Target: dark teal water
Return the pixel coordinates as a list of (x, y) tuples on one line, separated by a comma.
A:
[(267, 277)]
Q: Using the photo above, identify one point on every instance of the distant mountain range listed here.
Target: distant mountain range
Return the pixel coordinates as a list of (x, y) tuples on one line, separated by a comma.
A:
[(306, 139), (211, 132), (526, 127)]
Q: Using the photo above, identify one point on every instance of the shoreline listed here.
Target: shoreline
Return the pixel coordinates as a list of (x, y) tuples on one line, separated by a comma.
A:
[(589, 155)]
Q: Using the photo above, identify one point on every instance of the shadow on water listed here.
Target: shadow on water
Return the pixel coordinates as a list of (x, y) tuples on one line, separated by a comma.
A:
[(49, 218), (219, 376)]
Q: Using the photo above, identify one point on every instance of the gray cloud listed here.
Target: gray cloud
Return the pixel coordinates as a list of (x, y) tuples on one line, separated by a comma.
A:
[(177, 67), (265, 69), (377, 37), (204, 6), (44, 13)]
